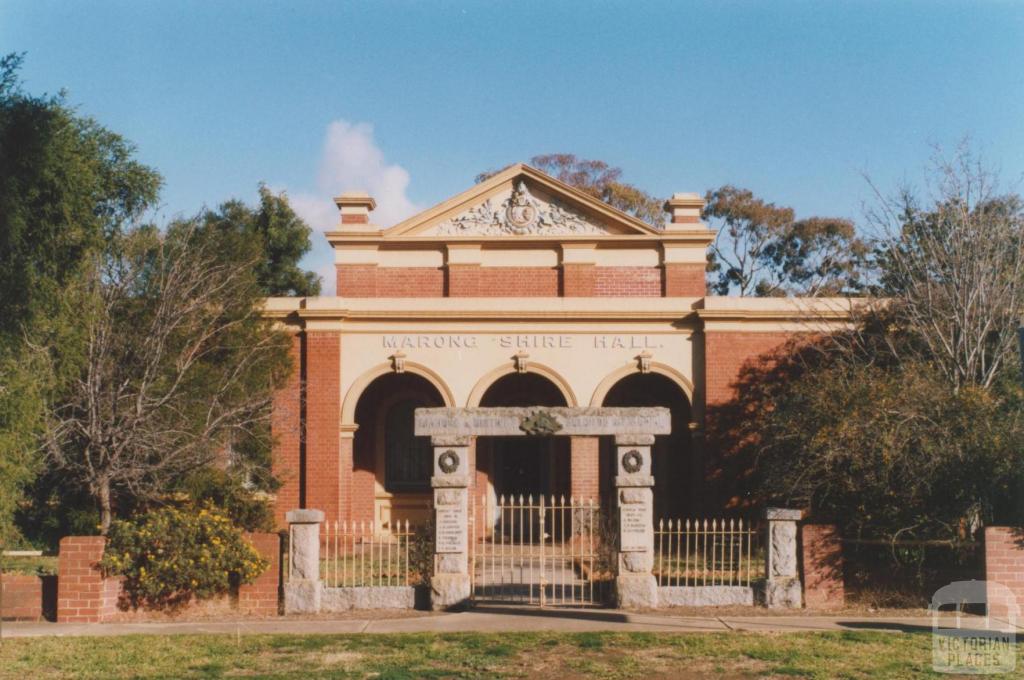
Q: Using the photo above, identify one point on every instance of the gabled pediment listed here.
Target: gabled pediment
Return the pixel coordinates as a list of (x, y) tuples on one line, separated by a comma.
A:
[(520, 202)]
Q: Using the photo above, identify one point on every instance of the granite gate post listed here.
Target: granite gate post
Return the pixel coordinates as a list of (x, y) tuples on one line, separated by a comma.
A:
[(635, 585), (782, 589), (303, 590), (450, 586)]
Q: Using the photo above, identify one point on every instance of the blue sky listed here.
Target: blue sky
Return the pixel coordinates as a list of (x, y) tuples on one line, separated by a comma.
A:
[(794, 100)]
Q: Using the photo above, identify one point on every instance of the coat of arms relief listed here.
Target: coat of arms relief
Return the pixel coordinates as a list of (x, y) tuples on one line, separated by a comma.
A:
[(519, 214)]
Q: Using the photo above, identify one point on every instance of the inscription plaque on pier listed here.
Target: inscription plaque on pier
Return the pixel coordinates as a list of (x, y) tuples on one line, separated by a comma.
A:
[(451, 528)]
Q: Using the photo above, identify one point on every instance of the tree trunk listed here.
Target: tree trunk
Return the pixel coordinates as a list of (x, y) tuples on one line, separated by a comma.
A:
[(106, 513)]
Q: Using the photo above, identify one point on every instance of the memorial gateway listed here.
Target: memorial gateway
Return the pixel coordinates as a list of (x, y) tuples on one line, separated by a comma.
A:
[(520, 293)]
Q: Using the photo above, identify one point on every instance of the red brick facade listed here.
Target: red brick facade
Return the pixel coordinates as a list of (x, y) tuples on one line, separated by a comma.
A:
[(1004, 564), (822, 566), (286, 429), (323, 422), (627, 282), (474, 280), (584, 468), (726, 353), (684, 280)]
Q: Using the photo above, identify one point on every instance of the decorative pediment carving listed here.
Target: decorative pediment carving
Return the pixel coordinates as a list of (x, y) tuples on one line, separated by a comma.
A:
[(519, 214)]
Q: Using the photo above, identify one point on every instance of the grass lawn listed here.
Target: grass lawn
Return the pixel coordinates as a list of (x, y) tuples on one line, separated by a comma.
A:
[(555, 656)]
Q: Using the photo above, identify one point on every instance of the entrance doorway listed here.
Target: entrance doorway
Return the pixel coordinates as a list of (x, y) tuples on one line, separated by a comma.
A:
[(529, 467), (523, 466)]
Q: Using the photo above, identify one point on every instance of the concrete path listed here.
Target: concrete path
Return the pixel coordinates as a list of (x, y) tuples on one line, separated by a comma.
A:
[(498, 620)]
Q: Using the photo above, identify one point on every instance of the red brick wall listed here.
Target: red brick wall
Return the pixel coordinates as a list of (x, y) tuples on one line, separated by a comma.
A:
[(725, 353), (462, 280), (583, 467), (627, 281), (518, 281), (22, 597), (684, 280), (410, 282), (357, 280), (83, 595), (822, 566), (286, 428), (577, 280), (1004, 564), (260, 598), (369, 280), (323, 426), (473, 280)]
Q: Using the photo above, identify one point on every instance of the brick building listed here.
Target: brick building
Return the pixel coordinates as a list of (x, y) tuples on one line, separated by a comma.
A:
[(520, 291)]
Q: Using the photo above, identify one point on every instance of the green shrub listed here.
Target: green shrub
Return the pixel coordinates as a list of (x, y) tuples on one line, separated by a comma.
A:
[(170, 555)]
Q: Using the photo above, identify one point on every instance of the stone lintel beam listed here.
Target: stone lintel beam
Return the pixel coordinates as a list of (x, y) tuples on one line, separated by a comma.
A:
[(542, 420)]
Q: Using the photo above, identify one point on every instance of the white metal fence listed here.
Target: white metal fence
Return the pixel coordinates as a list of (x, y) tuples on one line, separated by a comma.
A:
[(539, 550), (707, 552), (356, 554)]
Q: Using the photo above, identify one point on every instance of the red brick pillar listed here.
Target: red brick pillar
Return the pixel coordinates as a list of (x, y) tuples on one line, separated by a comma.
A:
[(584, 457), (823, 566), (286, 428), (83, 595), (684, 279), (1004, 564), (346, 465), (463, 280), (577, 279), (261, 596), (323, 422)]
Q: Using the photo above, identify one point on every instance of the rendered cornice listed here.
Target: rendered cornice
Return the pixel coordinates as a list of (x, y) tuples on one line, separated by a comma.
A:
[(691, 236), (773, 314)]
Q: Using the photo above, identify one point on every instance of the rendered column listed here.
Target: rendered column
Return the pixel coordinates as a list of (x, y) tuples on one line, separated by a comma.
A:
[(782, 589), (635, 585), (450, 585), (303, 589)]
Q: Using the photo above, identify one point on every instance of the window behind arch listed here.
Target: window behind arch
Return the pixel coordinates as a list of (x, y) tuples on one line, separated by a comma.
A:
[(408, 459)]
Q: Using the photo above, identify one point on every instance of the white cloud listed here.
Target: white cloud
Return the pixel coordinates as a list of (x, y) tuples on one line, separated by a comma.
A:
[(350, 161)]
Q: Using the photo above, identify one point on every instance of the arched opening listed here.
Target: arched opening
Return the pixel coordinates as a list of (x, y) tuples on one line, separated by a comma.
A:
[(391, 466), (676, 471), (524, 465)]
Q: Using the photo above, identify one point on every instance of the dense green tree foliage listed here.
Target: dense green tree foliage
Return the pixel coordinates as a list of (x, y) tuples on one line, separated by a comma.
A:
[(132, 355), (66, 185), (282, 235)]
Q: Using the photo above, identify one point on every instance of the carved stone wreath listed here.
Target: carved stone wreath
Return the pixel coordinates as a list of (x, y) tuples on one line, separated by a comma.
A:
[(448, 462), (632, 461)]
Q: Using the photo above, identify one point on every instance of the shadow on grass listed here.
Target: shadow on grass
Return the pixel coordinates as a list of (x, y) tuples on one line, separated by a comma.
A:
[(914, 628)]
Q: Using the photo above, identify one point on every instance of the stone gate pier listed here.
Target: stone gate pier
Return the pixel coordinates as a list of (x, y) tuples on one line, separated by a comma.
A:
[(451, 431)]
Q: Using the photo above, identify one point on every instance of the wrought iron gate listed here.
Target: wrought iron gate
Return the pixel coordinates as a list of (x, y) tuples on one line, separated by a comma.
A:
[(540, 550)]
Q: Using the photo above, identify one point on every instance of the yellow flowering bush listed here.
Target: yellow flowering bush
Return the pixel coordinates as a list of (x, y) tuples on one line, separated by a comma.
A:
[(170, 555)]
